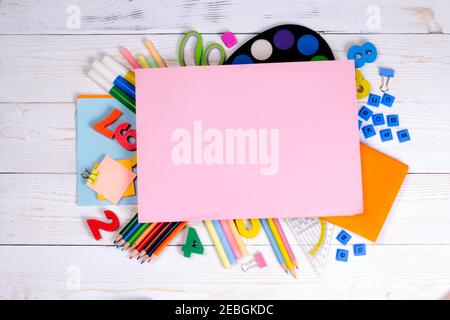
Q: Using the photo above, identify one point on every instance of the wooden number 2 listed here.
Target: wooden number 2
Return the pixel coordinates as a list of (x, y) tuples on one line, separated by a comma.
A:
[(97, 225), (101, 126), (124, 135), (248, 233)]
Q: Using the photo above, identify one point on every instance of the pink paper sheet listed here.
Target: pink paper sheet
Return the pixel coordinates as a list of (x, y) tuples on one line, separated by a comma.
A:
[(267, 140)]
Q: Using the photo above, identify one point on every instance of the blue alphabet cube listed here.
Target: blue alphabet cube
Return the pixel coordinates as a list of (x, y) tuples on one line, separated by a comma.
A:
[(368, 131), (343, 237), (365, 113), (392, 120), (378, 119), (403, 135), (373, 100), (386, 135), (359, 124), (387, 100), (342, 255), (359, 249)]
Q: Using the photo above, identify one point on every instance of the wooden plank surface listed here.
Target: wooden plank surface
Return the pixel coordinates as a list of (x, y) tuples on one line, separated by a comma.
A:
[(387, 272), (52, 68), (102, 17)]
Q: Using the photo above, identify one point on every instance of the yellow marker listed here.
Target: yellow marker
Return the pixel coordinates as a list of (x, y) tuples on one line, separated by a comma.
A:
[(143, 61), (236, 235), (281, 246), (217, 244), (154, 53), (129, 76), (246, 233)]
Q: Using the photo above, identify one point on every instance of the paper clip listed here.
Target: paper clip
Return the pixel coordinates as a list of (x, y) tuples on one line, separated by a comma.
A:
[(93, 176), (257, 261), (386, 74)]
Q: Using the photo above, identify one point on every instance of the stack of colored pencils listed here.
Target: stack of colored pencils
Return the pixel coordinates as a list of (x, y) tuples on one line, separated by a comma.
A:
[(280, 245), (147, 240)]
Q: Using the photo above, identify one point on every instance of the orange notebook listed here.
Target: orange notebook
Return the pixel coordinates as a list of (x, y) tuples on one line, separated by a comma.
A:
[(382, 178)]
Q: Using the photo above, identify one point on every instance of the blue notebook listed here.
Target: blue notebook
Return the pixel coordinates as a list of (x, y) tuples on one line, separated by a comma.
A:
[(93, 146)]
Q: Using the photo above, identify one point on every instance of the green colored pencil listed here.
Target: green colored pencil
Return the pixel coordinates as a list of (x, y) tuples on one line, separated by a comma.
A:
[(126, 228)]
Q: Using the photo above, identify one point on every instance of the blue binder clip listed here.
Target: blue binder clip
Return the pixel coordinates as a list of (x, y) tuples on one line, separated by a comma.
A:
[(386, 74)]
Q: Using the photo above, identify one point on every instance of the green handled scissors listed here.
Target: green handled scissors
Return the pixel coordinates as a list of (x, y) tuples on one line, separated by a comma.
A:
[(201, 57)]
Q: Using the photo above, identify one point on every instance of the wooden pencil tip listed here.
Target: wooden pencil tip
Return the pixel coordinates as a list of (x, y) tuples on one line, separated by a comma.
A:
[(293, 273)]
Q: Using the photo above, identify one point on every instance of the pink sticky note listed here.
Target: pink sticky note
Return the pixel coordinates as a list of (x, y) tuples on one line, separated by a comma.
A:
[(287, 145), (112, 179)]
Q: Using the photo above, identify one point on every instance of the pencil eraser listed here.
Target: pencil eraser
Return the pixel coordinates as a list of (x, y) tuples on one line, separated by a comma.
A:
[(342, 255), (386, 135), (229, 39), (403, 135), (365, 113), (378, 119), (368, 131), (343, 237), (373, 100), (359, 124), (387, 100), (359, 249), (392, 120)]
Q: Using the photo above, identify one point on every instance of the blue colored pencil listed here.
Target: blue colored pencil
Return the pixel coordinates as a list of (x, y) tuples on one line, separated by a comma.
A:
[(273, 243), (225, 244), (129, 234)]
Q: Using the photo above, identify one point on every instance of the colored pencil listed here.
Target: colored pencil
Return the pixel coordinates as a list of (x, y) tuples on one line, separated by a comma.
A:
[(230, 238), (273, 244), (130, 233), (136, 235), (284, 253), (217, 244), (169, 238), (129, 57), (154, 53), (238, 238), (127, 227), (143, 235), (144, 254), (223, 240), (286, 242), (143, 61), (163, 237), (140, 247)]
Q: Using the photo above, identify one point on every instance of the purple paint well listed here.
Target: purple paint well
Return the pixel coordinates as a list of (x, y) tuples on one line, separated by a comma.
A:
[(283, 39)]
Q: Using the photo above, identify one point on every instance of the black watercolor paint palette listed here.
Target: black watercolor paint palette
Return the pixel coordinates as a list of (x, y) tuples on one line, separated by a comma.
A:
[(284, 43)]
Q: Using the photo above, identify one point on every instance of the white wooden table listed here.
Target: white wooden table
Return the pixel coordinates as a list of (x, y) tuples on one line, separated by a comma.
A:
[(46, 250)]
